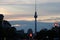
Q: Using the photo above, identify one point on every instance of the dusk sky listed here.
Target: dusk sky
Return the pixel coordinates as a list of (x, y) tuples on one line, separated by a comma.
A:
[(47, 10)]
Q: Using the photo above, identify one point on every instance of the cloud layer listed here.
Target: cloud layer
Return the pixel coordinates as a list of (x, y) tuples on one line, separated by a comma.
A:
[(26, 1), (25, 9)]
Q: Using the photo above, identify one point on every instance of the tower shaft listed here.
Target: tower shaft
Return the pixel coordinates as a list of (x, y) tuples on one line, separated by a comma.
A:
[(35, 25)]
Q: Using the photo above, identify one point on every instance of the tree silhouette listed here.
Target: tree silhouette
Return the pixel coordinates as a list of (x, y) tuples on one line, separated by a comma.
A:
[(11, 33), (42, 35)]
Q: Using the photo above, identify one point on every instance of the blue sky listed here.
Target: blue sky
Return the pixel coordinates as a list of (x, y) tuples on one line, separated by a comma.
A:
[(48, 10)]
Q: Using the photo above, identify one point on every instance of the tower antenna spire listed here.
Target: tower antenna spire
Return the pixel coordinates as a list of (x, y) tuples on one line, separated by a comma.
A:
[(35, 6)]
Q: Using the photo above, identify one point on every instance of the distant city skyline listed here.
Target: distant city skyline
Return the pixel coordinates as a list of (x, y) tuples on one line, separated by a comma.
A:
[(48, 10)]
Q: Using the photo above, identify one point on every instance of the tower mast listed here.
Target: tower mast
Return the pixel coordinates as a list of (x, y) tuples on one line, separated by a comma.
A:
[(35, 16)]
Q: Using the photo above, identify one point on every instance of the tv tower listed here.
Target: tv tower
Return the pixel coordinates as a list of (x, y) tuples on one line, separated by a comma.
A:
[(35, 16)]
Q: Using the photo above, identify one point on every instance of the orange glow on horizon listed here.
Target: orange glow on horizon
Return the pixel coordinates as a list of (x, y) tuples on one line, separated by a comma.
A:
[(40, 19), (21, 18), (4, 11)]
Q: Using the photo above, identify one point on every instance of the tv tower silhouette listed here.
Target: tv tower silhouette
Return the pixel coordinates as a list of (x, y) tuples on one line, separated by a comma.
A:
[(35, 16)]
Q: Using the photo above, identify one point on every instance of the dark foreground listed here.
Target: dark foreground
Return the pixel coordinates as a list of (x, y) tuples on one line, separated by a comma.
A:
[(44, 34)]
